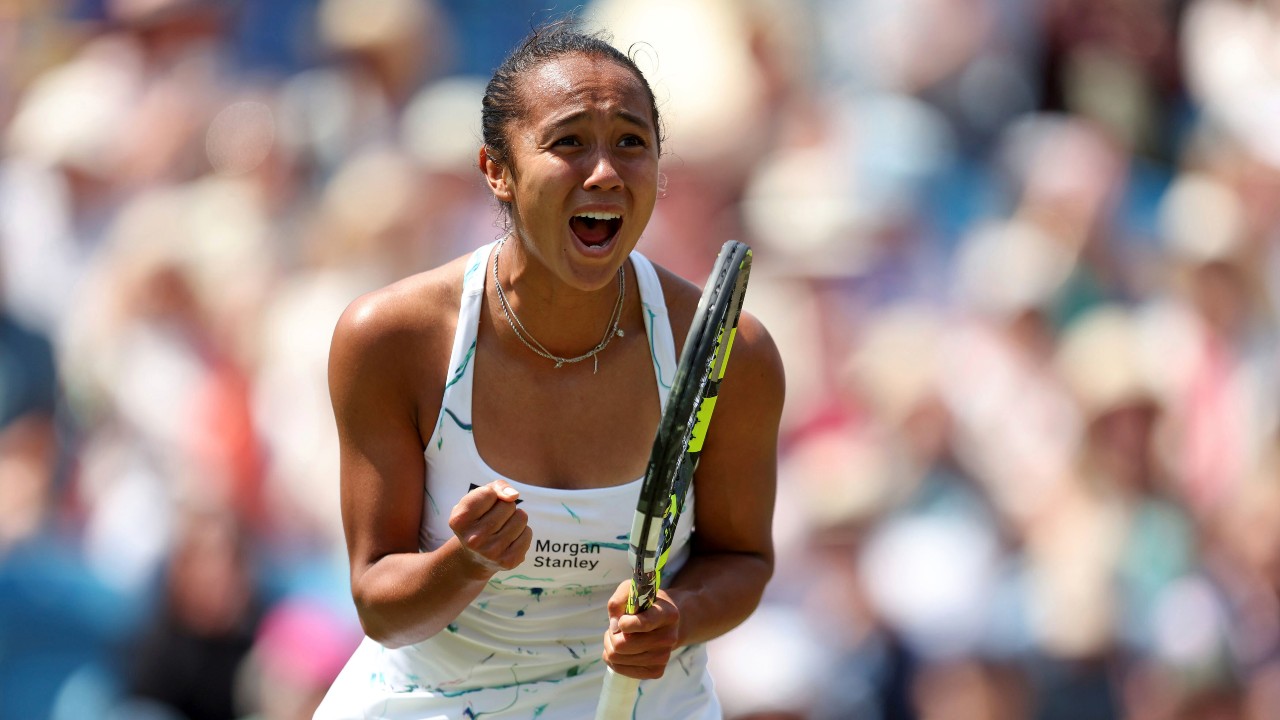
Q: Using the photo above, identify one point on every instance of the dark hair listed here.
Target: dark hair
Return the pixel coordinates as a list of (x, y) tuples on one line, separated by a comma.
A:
[(502, 103)]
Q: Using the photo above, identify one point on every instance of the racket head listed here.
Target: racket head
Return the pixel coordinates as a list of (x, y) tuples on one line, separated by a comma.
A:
[(678, 440)]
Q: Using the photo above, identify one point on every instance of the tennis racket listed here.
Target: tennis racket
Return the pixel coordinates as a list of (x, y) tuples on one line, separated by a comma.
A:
[(677, 446)]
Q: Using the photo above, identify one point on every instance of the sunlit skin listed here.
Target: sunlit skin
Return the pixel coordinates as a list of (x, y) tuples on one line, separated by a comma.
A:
[(586, 142)]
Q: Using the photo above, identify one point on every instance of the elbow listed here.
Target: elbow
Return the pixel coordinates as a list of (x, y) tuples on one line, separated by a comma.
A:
[(755, 571), (381, 635), (376, 627), (383, 626), (766, 564), (387, 633), (764, 572)]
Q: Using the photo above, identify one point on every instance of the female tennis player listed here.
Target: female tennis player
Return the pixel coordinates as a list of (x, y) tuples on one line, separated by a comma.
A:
[(496, 416)]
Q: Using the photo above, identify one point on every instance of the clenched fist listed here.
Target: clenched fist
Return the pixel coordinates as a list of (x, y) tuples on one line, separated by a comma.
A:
[(493, 531), (640, 645)]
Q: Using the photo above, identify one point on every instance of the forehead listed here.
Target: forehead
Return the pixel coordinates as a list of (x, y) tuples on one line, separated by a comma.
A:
[(574, 83)]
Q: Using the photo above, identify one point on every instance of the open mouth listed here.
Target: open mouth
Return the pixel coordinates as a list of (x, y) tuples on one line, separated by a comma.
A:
[(594, 229)]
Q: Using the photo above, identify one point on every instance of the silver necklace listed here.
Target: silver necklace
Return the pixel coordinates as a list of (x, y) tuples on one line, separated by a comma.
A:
[(524, 336)]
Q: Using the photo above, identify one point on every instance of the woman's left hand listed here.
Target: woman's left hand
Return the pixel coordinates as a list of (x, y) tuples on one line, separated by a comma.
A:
[(640, 646)]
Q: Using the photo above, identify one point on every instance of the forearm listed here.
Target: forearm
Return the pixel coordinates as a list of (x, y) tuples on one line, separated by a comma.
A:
[(406, 598), (715, 592)]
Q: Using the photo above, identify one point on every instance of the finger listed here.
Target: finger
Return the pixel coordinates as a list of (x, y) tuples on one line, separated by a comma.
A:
[(483, 498), (504, 491), (473, 505), (618, 601), (494, 533), (516, 552), (513, 539), (637, 663), (514, 525), (484, 514), (640, 671), (657, 616), (662, 640)]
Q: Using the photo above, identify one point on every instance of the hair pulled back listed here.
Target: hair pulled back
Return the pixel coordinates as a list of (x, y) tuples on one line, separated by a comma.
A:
[(503, 103)]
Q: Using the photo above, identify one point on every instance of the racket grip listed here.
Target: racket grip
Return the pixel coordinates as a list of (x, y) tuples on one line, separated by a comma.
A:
[(618, 700)]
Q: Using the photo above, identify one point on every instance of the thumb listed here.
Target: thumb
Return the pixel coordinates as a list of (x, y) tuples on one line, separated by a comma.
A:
[(618, 601), (503, 490)]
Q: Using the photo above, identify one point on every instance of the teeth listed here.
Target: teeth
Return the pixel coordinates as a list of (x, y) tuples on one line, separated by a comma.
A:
[(600, 215)]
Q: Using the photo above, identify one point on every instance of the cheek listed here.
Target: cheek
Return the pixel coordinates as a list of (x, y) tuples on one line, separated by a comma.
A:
[(643, 176), (647, 188)]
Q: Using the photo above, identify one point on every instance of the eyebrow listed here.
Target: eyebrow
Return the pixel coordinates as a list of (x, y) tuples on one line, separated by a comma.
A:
[(627, 115)]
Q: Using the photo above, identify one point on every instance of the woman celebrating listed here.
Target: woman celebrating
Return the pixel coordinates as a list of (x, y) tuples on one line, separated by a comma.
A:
[(496, 416)]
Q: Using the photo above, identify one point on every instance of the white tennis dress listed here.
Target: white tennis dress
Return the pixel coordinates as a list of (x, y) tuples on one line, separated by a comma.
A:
[(530, 645)]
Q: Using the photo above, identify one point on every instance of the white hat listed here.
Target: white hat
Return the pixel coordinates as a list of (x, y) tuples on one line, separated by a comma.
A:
[(441, 128), (1201, 219), (1008, 267), (1103, 360)]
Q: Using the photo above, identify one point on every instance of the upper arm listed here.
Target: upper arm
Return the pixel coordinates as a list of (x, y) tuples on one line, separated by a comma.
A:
[(736, 481), (371, 385)]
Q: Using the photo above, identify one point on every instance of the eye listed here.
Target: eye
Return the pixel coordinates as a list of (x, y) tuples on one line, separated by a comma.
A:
[(569, 141), (632, 141)]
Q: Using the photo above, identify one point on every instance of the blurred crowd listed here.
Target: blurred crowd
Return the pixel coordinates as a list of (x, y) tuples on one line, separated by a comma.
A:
[(1020, 257)]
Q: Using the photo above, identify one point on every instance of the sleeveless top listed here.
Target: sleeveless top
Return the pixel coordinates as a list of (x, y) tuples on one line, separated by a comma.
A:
[(530, 645)]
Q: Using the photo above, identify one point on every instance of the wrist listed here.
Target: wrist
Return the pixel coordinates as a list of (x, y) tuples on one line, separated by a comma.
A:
[(470, 566)]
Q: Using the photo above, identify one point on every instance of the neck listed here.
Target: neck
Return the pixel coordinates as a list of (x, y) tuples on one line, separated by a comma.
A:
[(533, 310)]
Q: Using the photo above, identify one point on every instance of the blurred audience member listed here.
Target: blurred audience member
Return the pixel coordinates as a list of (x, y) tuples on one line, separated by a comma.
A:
[(300, 647), (28, 451), (188, 652), (1220, 342), (1116, 64), (1021, 260), (56, 618)]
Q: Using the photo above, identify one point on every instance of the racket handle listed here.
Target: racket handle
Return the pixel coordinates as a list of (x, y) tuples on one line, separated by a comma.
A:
[(618, 700)]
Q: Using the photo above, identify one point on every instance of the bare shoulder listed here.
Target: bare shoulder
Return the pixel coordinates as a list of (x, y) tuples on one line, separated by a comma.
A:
[(396, 336), (755, 355), (403, 310)]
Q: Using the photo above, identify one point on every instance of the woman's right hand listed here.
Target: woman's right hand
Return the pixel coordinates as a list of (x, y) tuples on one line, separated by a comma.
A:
[(494, 533)]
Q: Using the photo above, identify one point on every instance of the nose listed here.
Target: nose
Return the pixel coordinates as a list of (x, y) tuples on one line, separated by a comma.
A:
[(604, 173)]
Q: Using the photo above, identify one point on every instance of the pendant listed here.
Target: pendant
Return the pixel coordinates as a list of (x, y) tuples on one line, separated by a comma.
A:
[(559, 363), (619, 332)]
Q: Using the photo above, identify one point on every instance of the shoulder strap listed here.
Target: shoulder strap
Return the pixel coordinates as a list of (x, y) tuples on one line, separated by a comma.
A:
[(657, 325)]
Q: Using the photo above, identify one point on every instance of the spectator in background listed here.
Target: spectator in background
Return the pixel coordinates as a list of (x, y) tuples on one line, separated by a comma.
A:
[(55, 618), (1116, 64), (189, 651), (62, 175), (1096, 176), (300, 646), (159, 338), (1221, 340), (28, 447), (373, 61)]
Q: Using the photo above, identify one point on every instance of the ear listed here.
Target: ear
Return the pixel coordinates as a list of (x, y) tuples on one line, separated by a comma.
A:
[(496, 175)]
